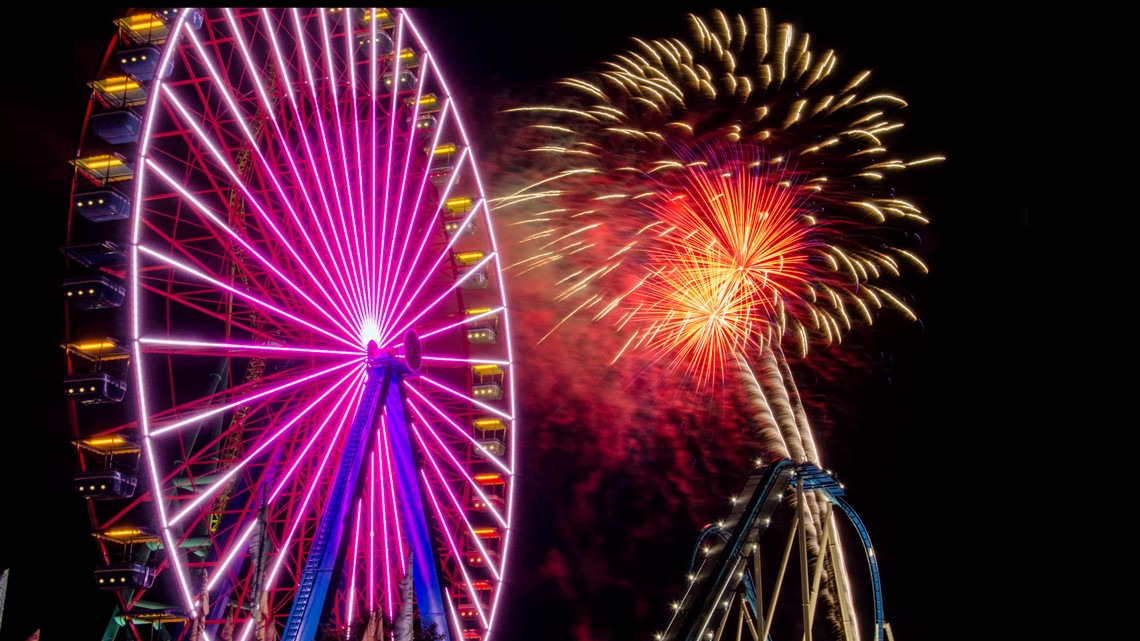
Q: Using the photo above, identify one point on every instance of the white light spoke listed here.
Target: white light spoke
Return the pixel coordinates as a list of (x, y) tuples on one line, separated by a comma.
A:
[(214, 218), (459, 467), (335, 248), (175, 346), (467, 398), (218, 484), (459, 508), (471, 271), (268, 108)]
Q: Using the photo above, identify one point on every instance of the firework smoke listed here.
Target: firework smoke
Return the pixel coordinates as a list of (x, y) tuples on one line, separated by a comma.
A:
[(705, 207)]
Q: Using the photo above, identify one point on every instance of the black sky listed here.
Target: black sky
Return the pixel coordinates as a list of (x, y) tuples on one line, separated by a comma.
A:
[(951, 391)]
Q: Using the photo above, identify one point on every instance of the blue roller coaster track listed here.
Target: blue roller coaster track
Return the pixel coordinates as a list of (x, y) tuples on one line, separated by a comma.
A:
[(720, 568)]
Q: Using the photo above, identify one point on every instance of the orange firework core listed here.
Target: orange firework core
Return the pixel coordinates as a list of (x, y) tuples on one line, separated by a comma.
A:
[(736, 249)]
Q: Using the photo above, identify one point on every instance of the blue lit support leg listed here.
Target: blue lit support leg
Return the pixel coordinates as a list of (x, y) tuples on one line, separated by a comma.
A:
[(872, 563), (425, 576), (312, 591)]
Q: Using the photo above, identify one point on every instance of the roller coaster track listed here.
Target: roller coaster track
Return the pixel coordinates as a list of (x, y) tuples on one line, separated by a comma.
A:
[(726, 586)]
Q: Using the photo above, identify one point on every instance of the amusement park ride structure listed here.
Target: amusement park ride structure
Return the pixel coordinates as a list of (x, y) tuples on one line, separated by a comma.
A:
[(727, 591), (288, 351), (288, 348)]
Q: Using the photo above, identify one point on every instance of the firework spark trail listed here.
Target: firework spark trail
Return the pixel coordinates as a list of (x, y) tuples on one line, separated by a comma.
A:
[(717, 201), (767, 427)]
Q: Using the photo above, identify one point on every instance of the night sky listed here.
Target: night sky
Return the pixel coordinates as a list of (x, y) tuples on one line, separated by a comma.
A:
[(914, 433)]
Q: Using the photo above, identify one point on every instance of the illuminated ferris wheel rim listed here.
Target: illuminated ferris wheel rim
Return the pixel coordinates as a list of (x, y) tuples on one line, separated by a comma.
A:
[(342, 336)]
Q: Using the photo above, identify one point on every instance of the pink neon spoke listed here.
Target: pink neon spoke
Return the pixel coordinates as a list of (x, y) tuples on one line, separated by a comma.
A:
[(459, 430), (374, 79), (385, 284), (382, 441), (445, 252), (245, 295), (388, 267), (208, 213), (341, 409), (467, 320), (372, 531), (456, 464), (287, 541), (398, 290), (392, 491), (199, 348), (465, 397), (238, 547), (358, 386), (423, 185), (391, 293), (176, 412), (445, 359), (215, 487), (454, 548), (320, 189), (343, 229), (344, 420), (342, 413), (459, 507), (357, 391), (340, 130), (454, 615), (424, 178), (190, 120), (443, 296), (355, 554), (317, 255), (444, 111), (356, 276)]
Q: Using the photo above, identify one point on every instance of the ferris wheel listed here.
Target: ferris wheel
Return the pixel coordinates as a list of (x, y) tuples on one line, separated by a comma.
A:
[(288, 343)]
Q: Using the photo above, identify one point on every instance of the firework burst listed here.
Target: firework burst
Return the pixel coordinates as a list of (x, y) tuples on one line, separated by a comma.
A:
[(721, 196), (721, 201)]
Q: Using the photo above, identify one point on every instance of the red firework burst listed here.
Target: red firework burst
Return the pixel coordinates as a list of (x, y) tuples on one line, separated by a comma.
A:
[(729, 265)]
